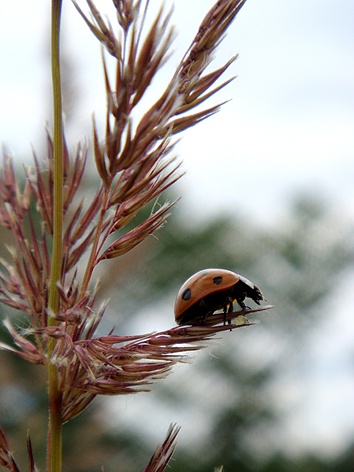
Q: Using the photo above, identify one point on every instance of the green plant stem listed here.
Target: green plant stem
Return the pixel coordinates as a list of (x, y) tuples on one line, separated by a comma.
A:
[(54, 448)]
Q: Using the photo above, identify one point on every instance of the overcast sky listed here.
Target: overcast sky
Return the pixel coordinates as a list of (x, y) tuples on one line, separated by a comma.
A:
[(289, 126)]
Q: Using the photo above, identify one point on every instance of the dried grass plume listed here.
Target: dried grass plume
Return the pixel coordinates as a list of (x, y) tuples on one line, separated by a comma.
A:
[(135, 164)]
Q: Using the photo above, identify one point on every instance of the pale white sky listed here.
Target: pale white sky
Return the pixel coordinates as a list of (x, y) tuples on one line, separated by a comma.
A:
[(289, 127)]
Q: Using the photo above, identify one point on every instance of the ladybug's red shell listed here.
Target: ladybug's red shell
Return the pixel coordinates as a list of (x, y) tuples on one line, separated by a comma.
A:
[(210, 290), (202, 284)]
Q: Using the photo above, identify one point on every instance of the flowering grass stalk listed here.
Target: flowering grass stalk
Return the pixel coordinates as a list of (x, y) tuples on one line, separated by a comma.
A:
[(41, 277), (54, 448)]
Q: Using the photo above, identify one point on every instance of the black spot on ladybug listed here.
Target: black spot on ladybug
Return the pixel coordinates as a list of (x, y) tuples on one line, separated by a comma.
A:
[(217, 280), (186, 295)]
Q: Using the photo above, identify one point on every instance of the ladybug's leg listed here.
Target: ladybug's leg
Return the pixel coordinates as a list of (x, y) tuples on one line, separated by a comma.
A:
[(225, 311), (228, 308), (203, 307), (206, 309), (240, 301)]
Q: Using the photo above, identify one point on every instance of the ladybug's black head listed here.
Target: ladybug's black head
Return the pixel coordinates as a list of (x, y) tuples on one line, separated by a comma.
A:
[(244, 288)]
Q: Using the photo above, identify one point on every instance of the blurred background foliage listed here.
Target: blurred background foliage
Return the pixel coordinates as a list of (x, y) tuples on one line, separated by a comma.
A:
[(231, 394)]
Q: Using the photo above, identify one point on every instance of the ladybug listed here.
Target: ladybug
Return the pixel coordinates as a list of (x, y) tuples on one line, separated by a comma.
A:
[(210, 290)]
